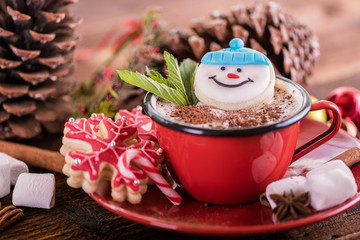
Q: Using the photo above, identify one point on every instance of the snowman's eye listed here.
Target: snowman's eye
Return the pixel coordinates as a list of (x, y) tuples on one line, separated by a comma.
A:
[(222, 68), (239, 69)]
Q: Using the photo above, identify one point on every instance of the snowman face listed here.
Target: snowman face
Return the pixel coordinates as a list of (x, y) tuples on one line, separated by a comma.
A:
[(231, 83)]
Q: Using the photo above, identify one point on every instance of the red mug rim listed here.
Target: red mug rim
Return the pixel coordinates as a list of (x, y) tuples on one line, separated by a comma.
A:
[(231, 132)]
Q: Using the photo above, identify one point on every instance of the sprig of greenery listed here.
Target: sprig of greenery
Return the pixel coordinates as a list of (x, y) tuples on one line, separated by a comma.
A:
[(187, 70), (177, 88), (148, 84), (103, 92)]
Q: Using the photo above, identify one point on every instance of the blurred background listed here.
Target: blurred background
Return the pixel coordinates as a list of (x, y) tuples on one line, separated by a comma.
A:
[(336, 23), (83, 42)]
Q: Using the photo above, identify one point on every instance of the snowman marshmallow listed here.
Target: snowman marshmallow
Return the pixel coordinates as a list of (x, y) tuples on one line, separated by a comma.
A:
[(235, 78)]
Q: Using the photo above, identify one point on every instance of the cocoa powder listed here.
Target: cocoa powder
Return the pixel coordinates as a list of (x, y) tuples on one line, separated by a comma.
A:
[(275, 111)]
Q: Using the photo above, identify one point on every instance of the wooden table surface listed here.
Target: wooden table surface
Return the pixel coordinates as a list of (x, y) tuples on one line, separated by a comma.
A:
[(77, 216)]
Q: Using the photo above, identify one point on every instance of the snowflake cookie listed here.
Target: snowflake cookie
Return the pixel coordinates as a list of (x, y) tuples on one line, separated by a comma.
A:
[(100, 148)]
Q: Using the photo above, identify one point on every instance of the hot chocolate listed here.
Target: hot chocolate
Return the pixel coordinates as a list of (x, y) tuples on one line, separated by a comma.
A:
[(284, 104), (236, 88), (239, 122)]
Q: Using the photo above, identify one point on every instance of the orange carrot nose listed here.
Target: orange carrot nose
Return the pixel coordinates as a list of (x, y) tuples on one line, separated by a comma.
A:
[(232, 75)]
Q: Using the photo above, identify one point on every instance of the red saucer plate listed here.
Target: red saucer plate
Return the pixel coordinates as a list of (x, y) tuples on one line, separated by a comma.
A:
[(199, 218)]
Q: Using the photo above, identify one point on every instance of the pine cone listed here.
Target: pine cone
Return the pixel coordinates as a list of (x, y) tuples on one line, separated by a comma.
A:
[(36, 57), (291, 46), (148, 56)]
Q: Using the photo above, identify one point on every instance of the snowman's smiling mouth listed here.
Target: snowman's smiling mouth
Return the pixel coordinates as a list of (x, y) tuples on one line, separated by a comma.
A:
[(230, 85)]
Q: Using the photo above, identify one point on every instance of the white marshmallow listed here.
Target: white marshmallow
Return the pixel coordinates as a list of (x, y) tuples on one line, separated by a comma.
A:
[(295, 184), (16, 168), (35, 190), (304, 165), (330, 184), (4, 177)]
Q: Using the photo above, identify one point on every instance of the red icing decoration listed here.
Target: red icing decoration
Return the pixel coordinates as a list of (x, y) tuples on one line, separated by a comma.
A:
[(140, 120), (91, 163), (85, 130), (95, 120), (232, 75), (109, 149)]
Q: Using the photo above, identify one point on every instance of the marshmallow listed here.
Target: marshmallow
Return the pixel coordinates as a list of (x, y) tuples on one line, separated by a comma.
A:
[(16, 167), (303, 165), (295, 184), (330, 184), (35, 190), (4, 177)]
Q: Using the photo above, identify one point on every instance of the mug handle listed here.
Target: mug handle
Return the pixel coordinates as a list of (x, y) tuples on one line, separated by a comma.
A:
[(325, 136)]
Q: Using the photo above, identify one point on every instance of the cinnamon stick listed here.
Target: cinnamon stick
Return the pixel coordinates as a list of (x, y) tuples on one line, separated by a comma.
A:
[(36, 157), (349, 157)]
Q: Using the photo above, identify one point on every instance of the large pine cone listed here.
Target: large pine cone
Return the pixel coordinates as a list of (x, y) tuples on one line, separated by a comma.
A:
[(291, 46), (36, 57)]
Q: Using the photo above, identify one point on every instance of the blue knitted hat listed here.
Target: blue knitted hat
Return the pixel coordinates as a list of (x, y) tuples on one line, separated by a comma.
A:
[(235, 55)]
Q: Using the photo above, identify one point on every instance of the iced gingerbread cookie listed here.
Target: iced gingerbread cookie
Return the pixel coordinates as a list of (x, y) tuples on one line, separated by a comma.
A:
[(145, 126), (99, 148), (235, 78), (97, 126)]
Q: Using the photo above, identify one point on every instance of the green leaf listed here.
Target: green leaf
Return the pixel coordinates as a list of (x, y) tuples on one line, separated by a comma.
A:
[(158, 77), (174, 75), (159, 89), (187, 71), (150, 73)]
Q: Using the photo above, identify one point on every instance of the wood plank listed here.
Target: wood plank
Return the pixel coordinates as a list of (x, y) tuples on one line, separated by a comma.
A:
[(76, 216)]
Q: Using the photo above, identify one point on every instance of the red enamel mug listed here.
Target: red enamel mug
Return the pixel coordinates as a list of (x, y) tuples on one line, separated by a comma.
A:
[(233, 166)]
